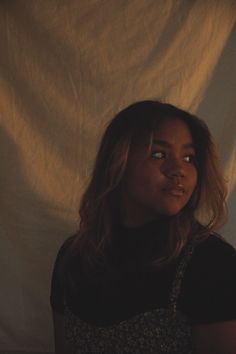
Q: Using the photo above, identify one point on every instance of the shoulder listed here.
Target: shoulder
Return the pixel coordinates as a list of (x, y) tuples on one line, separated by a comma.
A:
[(65, 246), (209, 286), (215, 243), (58, 276), (61, 258), (213, 256)]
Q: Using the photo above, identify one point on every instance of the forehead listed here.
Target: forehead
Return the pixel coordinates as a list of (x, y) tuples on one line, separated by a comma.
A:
[(173, 130)]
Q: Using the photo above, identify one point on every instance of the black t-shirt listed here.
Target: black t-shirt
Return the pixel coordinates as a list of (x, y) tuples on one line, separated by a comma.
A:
[(208, 290)]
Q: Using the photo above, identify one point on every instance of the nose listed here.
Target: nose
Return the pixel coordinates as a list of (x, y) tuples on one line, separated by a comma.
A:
[(174, 167)]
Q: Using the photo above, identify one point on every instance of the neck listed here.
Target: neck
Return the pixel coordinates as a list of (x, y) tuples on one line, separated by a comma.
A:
[(133, 224)]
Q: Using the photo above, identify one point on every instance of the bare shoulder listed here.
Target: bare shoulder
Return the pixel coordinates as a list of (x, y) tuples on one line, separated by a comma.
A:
[(217, 338)]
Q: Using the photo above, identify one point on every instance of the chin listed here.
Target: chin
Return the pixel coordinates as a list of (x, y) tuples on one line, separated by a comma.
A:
[(172, 209), (170, 212)]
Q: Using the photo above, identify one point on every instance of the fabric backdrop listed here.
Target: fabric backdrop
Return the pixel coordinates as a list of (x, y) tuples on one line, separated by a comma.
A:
[(66, 67)]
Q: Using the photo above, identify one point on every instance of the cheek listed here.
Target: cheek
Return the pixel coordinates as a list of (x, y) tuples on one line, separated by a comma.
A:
[(193, 179), (141, 183), (195, 176)]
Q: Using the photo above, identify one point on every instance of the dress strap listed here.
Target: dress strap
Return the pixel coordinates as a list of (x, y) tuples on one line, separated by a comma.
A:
[(177, 283)]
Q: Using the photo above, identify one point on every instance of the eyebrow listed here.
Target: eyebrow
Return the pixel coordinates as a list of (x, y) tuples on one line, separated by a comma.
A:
[(168, 145)]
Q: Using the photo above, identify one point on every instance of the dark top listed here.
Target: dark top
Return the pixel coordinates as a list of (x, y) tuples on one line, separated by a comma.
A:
[(125, 290)]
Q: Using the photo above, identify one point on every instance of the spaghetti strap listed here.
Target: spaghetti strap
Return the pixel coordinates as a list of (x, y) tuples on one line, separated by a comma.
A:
[(177, 283)]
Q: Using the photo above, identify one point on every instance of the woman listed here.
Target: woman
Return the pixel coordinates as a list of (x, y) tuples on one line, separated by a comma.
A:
[(146, 272)]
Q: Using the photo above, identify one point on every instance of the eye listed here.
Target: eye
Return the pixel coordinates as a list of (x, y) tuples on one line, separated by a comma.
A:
[(158, 155), (190, 159)]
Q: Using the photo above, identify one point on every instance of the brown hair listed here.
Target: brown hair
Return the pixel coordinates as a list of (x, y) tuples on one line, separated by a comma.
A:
[(100, 205)]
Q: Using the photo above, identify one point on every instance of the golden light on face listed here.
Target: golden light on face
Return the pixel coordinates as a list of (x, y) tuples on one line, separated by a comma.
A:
[(160, 182)]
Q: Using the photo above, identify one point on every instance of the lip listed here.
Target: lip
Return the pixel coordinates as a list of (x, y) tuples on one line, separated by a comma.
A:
[(175, 190)]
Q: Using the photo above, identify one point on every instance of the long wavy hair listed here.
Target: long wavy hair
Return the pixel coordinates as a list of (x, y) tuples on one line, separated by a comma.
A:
[(100, 208)]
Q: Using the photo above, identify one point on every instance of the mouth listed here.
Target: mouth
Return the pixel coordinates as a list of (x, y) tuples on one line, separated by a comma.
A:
[(175, 190)]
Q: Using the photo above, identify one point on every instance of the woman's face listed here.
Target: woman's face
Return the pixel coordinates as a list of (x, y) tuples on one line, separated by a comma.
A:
[(160, 182)]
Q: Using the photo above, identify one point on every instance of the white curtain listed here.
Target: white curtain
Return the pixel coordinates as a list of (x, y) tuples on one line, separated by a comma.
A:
[(66, 67)]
